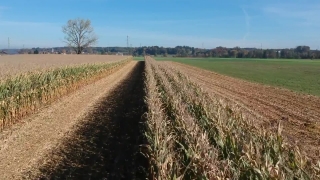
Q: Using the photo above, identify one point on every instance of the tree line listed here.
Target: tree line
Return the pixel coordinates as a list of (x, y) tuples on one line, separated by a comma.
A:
[(300, 52), (79, 38)]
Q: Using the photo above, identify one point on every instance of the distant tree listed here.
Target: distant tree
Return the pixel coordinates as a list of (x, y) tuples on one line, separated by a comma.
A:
[(265, 54), (89, 50), (272, 54), (302, 49), (79, 34), (233, 53), (36, 51), (165, 54)]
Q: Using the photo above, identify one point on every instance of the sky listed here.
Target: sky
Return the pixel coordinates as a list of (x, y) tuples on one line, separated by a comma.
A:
[(168, 23)]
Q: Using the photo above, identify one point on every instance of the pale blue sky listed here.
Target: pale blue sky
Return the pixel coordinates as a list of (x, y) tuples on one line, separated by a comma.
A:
[(244, 23)]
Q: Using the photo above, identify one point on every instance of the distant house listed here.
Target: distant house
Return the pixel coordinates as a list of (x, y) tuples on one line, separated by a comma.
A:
[(119, 53), (9, 52), (2, 53)]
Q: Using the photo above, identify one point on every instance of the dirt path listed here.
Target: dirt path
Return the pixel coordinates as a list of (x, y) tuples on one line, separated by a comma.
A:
[(105, 145), (299, 114), (29, 146)]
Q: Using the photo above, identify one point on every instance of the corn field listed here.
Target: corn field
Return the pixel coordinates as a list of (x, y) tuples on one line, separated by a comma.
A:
[(26, 93), (152, 121), (193, 135)]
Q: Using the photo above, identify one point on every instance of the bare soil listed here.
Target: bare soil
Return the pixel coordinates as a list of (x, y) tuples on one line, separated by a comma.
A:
[(12, 65), (68, 138), (105, 145), (268, 106)]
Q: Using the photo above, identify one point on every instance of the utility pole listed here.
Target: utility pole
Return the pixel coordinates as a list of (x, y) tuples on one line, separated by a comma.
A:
[(127, 41), (128, 45), (8, 43)]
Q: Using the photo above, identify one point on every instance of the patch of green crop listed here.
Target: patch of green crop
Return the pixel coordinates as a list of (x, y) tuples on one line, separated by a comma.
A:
[(297, 75), (138, 58)]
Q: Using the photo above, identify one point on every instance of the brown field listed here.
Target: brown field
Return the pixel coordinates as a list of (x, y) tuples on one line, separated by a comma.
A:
[(159, 120), (35, 143), (11, 65), (267, 106)]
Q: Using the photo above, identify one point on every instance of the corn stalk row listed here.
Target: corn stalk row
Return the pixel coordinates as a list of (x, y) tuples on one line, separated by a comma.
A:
[(24, 94), (242, 150), (191, 156)]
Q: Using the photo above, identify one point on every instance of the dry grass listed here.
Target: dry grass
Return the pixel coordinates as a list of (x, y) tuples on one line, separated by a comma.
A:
[(203, 137), (178, 148), (38, 139), (266, 105), (24, 94), (12, 65)]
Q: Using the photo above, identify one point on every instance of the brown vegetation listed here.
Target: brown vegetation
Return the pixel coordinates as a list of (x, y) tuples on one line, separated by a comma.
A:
[(266, 106), (24, 94), (196, 135), (35, 142), (186, 123), (13, 65)]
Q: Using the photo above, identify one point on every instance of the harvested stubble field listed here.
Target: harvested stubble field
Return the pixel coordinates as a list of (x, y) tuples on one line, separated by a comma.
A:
[(17, 64), (161, 120), (197, 133), (266, 105), (23, 93)]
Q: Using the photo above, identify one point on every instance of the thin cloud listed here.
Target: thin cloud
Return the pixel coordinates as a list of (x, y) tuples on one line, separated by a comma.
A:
[(19, 23), (302, 14), (247, 20), (2, 8), (185, 21)]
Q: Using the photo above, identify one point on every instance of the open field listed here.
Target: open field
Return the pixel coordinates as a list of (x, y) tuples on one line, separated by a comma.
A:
[(12, 65), (40, 140), (138, 58), (266, 106), (162, 120), (23, 94), (195, 117), (297, 75)]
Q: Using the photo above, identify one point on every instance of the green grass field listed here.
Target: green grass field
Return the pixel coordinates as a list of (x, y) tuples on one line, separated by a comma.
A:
[(299, 75), (138, 58)]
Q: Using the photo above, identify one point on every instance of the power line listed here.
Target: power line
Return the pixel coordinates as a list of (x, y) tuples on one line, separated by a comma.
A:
[(127, 41), (128, 45)]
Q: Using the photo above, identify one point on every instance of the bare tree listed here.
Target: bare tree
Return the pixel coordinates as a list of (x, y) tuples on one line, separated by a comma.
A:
[(79, 34)]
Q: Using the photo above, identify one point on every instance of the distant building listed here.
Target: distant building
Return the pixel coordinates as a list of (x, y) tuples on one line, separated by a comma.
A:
[(119, 54), (3, 53), (9, 51)]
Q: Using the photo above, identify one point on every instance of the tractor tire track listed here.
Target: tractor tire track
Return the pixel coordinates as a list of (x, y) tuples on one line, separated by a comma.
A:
[(106, 144)]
